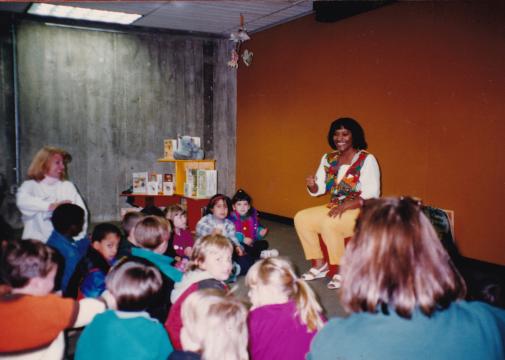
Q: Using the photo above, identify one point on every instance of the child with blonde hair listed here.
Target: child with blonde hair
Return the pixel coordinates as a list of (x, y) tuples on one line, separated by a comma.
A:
[(214, 327), (209, 267), (128, 332), (285, 314), (182, 240)]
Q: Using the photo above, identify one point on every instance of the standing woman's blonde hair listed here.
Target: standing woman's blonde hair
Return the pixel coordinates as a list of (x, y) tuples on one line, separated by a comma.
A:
[(40, 163), (396, 262), (278, 272), (215, 325)]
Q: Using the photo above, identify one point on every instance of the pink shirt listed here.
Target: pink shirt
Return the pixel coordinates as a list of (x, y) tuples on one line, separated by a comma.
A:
[(182, 241), (275, 332)]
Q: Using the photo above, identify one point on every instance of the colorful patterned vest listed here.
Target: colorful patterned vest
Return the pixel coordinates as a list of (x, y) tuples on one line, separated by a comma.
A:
[(346, 189)]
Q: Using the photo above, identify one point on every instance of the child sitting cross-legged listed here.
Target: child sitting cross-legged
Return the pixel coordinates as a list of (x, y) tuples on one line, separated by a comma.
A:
[(215, 222), (182, 240), (285, 314), (68, 220), (151, 235), (248, 229), (32, 318), (214, 327), (128, 332), (209, 267), (88, 279)]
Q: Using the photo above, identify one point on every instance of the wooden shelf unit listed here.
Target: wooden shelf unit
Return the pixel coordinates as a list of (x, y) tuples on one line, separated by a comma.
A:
[(180, 170)]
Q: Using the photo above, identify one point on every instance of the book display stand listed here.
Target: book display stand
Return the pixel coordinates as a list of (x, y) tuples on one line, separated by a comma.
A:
[(194, 206)]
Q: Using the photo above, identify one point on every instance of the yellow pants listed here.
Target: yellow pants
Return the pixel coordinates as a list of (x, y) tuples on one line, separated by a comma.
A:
[(311, 222)]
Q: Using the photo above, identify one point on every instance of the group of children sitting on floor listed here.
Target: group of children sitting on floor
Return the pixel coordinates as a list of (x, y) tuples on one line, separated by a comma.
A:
[(154, 291)]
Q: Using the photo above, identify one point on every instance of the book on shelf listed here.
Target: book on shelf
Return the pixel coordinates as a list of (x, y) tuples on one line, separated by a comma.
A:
[(200, 183), (155, 184), (168, 184), (139, 182), (191, 184), (170, 145), (206, 183)]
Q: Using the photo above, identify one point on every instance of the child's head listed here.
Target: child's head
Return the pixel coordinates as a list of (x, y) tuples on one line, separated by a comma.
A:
[(152, 210), (396, 261), (212, 253), (130, 219), (51, 161), (214, 325), (105, 240), (219, 206), (134, 285), (28, 266), (241, 202), (68, 219), (274, 281), (153, 233), (177, 215)]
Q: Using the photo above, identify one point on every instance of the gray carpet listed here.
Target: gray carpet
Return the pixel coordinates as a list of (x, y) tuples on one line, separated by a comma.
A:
[(283, 238)]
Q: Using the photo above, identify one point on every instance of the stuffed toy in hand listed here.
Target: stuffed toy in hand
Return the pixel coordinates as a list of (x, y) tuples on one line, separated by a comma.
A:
[(187, 149)]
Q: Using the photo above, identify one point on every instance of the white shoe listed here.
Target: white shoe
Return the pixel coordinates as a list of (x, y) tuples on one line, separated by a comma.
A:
[(269, 253), (336, 282), (316, 273)]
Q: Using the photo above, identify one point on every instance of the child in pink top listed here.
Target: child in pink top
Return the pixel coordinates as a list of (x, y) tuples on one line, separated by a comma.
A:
[(285, 314), (182, 241)]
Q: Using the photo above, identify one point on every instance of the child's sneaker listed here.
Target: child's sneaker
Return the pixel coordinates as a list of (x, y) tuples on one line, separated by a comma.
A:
[(269, 253)]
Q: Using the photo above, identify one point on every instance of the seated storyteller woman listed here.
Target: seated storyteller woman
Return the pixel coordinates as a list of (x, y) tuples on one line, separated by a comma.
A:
[(46, 189), (350, 174), (405, 296)]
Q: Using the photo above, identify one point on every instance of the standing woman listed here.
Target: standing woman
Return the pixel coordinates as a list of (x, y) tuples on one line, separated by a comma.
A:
[(45, 190), (350, 174)]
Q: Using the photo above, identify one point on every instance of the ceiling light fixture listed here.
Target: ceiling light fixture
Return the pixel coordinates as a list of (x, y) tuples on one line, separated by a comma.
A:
[(77, 13)]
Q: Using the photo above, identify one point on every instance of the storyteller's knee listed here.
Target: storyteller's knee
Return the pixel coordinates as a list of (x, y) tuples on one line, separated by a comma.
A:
[(300, 217)]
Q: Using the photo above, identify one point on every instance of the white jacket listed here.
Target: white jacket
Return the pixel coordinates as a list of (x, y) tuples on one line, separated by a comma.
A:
[(33, 199)]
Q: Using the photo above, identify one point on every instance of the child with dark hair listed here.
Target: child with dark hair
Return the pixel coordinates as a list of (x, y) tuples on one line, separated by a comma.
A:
[(216, 222), (68, 220), (128, 332), (88, 279), (128, 223), (247, 227), (33, 319), (152, 210)]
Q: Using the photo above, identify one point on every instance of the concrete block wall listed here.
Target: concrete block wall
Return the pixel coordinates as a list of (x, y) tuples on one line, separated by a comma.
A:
[(110, 98)]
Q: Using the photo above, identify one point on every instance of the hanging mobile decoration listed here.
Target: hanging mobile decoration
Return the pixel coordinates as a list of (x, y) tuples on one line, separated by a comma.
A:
[(238, 38)]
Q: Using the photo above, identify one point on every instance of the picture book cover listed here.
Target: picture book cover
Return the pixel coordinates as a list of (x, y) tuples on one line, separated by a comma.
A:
[(140, 182)]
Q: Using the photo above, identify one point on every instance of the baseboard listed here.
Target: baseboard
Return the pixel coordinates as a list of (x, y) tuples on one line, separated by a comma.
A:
[(466, 262), (277, 218)]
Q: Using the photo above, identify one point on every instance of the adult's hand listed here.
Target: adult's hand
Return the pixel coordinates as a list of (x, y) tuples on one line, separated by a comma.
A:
[(346, 205), (54, 205), (311, 183)]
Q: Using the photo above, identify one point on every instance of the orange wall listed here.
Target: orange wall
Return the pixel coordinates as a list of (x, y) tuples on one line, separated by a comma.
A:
[(427, 82)]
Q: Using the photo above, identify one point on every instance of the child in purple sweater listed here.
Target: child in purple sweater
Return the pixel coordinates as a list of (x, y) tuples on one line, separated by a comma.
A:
[(182, 240), (285, 314)]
